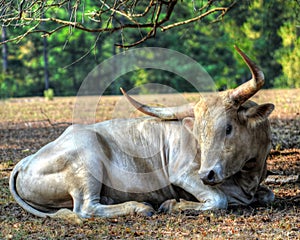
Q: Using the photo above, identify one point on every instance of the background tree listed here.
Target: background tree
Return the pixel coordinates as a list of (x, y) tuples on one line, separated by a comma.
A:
[(81, 34), (105, 16)]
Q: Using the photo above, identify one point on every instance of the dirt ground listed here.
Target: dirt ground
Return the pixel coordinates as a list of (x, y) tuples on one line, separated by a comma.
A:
[(27, 124)]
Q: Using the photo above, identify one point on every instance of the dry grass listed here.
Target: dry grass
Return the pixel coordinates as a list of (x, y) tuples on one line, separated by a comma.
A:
[(27, 124)]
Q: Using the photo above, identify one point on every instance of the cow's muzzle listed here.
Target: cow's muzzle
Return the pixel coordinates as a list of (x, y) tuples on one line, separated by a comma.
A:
[(210, 177)]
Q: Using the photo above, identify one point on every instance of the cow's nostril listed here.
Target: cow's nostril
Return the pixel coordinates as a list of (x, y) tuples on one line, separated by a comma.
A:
[(211, 176)]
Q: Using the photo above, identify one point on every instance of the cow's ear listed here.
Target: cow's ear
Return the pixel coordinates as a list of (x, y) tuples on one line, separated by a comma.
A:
[(258, 114), (188, 122)]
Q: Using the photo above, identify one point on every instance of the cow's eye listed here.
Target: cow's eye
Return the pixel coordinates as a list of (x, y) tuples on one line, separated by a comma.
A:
[(228, 129)]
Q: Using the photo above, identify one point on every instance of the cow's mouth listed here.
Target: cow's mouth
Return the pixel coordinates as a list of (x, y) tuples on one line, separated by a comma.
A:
[(213, 183)]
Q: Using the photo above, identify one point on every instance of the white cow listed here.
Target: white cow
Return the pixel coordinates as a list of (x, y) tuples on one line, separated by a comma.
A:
[(206, 156)]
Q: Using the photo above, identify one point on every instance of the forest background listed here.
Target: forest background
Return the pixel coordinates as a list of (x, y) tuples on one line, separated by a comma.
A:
[(267, 30)]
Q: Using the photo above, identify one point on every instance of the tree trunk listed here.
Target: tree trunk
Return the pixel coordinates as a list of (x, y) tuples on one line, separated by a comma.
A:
[(46, 68), (45, 53), (4, 50)]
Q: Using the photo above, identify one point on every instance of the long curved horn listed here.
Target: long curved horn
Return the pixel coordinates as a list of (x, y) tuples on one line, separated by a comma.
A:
[(242, 93), (168, 113)]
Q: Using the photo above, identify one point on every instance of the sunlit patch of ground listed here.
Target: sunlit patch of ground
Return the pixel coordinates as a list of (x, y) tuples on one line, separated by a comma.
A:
[(27, 124)]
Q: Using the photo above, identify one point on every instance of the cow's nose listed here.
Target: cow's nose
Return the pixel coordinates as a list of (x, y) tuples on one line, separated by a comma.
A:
[(209, 177)]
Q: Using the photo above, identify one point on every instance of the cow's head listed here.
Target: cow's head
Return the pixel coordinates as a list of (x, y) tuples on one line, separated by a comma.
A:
[(233, 133)]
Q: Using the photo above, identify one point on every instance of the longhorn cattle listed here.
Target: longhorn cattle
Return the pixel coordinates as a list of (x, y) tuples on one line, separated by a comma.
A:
[(203, 156)]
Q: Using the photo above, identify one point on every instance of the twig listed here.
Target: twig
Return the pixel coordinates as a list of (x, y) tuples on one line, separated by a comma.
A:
[(6, 169), (194, 19), (156, 13), (50, 122), (47, 118), (282, 179)]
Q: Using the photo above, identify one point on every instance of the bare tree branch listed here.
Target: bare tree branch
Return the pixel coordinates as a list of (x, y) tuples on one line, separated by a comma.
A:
[(126, 14), (223, 11)]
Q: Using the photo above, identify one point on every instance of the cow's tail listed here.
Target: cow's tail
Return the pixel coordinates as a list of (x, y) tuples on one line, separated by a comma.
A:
[(62, 213)]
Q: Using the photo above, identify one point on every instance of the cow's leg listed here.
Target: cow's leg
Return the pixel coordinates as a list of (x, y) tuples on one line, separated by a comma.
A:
[(208, 197), (246, 191), (215, 201), (95, 209), (264, 195), (86, 202), (173, 205)]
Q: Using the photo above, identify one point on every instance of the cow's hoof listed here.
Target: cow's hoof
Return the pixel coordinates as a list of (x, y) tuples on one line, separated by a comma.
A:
[(68, 215), (167, 206), (147, 212), (145, 209), (264, 196), (150, 211)]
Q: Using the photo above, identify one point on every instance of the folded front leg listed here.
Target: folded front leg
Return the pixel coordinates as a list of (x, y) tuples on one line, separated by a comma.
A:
[(131, 207), (172, 205), (208, 197)]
